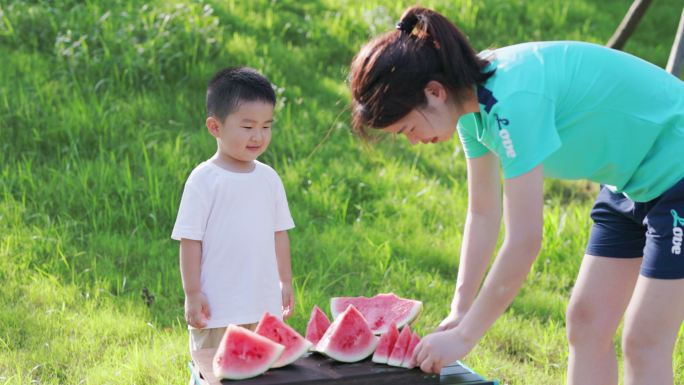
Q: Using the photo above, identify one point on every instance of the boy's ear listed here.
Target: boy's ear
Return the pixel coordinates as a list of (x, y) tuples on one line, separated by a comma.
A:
[(436, 89), (213, 126)]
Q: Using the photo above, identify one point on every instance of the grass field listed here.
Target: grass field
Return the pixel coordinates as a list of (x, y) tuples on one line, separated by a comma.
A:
[(101, 120)]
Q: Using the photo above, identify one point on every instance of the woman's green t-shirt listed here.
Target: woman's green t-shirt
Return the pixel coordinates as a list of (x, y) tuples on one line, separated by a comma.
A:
[(583, 110)]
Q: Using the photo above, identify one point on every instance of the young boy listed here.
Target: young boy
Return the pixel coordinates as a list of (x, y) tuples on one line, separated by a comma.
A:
[(233, 217)]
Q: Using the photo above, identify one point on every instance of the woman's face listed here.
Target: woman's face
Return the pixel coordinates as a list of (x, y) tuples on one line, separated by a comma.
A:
[(436, 122)]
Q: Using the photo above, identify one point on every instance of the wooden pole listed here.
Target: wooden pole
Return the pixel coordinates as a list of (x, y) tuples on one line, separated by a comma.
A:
[(676, 60), (628, 24)]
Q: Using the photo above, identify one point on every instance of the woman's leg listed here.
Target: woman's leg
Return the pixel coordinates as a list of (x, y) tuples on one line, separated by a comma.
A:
[(652, 322), (598, 301)]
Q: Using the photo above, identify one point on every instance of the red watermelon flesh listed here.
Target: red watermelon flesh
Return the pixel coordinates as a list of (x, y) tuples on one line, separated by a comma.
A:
[(278, 331), (409, 352), (244, 354), (399, 349), (385, 345), (380, 310), (348, 339), (318, 324)]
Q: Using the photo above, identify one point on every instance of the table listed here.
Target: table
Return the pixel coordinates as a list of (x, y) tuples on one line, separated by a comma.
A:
[(314, 369)]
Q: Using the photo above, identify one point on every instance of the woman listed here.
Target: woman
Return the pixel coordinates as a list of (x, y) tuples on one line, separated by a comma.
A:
[(562, 109)]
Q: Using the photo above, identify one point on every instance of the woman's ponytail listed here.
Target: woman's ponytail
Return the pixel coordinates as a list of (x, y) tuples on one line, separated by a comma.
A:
[(459, 61)]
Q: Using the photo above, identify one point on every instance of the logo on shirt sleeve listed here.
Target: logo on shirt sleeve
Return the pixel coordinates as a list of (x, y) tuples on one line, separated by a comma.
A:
[(505, 136)]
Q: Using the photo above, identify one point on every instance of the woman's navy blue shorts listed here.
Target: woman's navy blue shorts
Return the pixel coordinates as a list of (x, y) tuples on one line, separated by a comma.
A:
[(652, 230)]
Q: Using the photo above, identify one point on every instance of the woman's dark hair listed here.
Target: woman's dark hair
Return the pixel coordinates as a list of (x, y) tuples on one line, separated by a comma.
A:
[(233, 85), (390, 72)]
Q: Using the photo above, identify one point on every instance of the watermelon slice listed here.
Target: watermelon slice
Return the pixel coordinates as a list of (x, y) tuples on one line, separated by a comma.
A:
[(244, 354), (348, 339), (385, 345), (409, 351), (278, 331), (318, 324), (380, 310), (399, 349)]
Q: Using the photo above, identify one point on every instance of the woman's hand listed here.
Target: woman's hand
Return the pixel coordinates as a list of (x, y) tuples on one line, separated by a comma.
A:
[(450, 322), (197, 310), (439, 349)]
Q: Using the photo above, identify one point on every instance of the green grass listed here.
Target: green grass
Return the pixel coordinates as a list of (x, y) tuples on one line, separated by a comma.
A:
[(101, 111)]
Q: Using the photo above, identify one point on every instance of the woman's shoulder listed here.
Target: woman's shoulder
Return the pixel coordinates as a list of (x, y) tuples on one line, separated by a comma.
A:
[(532, 67)]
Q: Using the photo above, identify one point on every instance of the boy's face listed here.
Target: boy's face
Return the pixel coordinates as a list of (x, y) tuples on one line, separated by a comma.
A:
[(244, 134)]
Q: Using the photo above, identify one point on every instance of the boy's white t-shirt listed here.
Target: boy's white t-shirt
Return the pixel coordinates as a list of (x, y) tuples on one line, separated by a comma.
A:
[(235, 215)]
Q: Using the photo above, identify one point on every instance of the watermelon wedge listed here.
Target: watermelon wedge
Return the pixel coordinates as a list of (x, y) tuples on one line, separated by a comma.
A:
[(399, 349), (318, 324), (244, 354), (409, 351), (380, 310), (348, 339), (278, 331), (385, 345)]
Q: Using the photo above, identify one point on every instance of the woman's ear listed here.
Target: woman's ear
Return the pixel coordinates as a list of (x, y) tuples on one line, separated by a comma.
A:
[(213, 126), (437, 90)]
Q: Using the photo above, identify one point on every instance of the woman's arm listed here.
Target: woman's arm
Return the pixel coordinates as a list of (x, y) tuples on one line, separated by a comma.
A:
[(480, 233), (523, 216)]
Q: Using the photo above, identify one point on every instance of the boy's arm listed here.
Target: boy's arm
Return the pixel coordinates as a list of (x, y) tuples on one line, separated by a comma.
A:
[(282, 249), (196, 304), (479, 235)]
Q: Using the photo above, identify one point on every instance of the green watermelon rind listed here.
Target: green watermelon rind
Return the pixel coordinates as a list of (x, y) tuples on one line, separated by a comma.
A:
[(234, 331), (338, 304)]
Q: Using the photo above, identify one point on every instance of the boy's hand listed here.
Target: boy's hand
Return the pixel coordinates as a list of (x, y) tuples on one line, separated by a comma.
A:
[(197, 310), (288, 300)]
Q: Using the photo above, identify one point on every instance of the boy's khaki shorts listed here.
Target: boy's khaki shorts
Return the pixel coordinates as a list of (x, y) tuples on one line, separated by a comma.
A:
[(210, 338)]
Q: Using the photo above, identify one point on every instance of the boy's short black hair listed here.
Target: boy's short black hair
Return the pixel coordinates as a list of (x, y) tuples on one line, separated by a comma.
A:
[(233, 85)]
